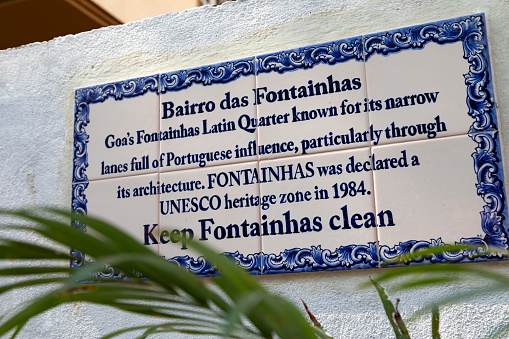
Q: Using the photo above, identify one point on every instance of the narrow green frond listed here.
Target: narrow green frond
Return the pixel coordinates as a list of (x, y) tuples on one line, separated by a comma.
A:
[(230, 272), (424, 282), (244, 306), (59, 231), (435, 320), (457, 297), (122, 240), (35, 307), (167, 311), (197, 329), (11, 249), (501, 331), (182, 327), (321, 333), (31, 270), (32, 282), (447, 268), (432, 251), (284, 313), (18, 329), (390, 311)]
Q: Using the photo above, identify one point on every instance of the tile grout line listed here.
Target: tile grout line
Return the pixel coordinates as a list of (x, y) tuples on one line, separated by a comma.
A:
[(258, 167), (438, 138), (159, 168), (372, 174)]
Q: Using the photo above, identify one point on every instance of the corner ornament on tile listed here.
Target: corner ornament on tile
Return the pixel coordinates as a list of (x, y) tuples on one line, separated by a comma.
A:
[(307, 57), (79, 206), (490, 187), (470, 31), (90, 95), (208, 75)]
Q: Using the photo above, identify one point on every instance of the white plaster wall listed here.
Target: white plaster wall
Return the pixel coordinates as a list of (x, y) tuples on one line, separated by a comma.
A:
[(37, 83)]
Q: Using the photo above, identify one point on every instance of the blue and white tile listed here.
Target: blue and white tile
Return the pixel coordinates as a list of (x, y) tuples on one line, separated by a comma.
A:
[(311, 99), (114, 129), (206, 114), (436, 192), (216, 206), (319, 213), (429, 81), (130, 203)]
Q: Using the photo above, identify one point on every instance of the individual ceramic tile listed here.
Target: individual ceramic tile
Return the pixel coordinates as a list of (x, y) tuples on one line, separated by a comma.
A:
[(443, 191), (217, 206), (206, 114), (116, 129), (429, 81), (319, 213), (130, 203), (311, 100)]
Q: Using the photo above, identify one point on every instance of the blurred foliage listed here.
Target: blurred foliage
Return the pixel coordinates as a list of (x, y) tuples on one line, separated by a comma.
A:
[(410, 278), (230, 305)]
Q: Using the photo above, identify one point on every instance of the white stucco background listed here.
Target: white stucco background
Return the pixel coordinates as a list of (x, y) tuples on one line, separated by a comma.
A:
[(37, 85)]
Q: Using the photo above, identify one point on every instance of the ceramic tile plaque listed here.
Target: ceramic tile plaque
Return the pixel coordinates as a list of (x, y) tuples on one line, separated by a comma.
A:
[(332, 156)]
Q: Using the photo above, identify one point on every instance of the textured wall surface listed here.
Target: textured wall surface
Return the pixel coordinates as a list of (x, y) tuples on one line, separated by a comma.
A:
[(37, 85)]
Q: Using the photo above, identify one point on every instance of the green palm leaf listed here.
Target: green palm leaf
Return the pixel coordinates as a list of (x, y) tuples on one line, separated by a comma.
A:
[(414, 277), (232, 305)]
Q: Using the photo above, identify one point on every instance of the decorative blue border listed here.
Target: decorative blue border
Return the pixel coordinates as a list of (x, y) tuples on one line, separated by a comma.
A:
[(95, 94), (84, 97), (220, 73), (79, 205), (469, 30), (290, 260), (489, 185), (307, 57)]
